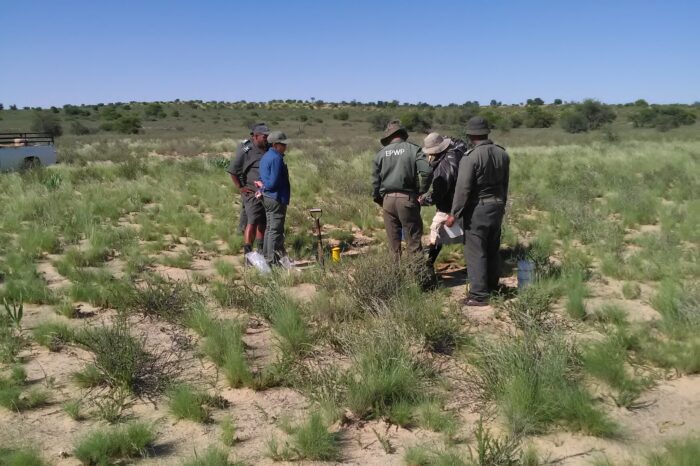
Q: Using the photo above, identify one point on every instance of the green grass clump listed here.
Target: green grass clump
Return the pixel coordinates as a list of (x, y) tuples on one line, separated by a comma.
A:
[(115, 444), (73, 409), (212, 456), (53, 335), (89, 377), (631, 290), (677, 453), (293, 334), (575, 293), (385, 373), (223, 344), (311, 441), (535, 381), (122, 359), (607, 361), (421, 455), (13, 396), (228, 432), (20, 457), (187, 403), (162, 299)]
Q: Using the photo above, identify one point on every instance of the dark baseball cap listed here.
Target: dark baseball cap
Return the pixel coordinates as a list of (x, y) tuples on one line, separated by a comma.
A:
[(259, 128)]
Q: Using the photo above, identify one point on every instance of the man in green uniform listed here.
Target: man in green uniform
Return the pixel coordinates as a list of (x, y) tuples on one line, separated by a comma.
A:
[(400, 174), (245, 170), (479, 201)]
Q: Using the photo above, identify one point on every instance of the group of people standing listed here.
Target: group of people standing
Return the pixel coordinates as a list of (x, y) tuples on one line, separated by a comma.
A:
[(467, 183), (260, 173)]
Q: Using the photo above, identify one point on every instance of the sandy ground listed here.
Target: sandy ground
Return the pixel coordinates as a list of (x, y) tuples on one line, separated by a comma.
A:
[(671, 409)]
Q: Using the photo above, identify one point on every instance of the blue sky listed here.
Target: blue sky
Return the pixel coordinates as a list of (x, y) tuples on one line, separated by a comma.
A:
[(58, 52)]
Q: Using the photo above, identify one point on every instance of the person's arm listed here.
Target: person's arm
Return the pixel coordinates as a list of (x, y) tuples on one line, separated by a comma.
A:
[(376, 180), (270, 175), (425, 172), (463, 188), (235, 168)]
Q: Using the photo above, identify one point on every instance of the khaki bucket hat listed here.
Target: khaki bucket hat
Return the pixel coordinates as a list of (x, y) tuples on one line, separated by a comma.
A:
[(434, 144), (278, 137), (477, 126), (394, 127)]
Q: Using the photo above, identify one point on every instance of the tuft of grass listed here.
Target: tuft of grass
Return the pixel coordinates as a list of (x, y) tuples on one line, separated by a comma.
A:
[(385, 373), (575, 293), (20, 457), (228, 432), (611, 314), (66, 309), (223, 344), (162, 299), (313, 441), (89, 377), (532, 310), (535, 381), (187, 403), (116, 444), (73, 409), (607, 361), (683, 452), (432, 416), (53, 335), (293, 334), (212, 456), (13, 397), (631, 290), (422, 455)]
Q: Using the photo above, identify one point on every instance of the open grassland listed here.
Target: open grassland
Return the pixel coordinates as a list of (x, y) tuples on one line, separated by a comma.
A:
[(131, 332)]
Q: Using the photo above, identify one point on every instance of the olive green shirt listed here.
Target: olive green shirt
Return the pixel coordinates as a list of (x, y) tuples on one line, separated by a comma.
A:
[(400, 167), (483, 174)]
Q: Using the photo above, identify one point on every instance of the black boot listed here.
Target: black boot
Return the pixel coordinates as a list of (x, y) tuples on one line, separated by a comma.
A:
[(433, 252)]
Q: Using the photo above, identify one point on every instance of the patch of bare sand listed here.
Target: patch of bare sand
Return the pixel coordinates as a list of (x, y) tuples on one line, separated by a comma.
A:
[(49, 273)]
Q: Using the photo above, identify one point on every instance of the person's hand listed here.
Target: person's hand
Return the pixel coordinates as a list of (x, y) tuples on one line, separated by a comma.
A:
[(450, 221), (421, 199), (258, 184)]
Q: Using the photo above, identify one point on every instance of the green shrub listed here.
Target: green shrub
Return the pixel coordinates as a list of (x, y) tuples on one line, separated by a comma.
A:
[(536, 117), (116, 444), (123, 361), (313, 441), (631, 290), (53, 335), (46, 122)]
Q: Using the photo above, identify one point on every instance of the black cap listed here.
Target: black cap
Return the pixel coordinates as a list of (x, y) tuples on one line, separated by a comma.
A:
[(259, 128)]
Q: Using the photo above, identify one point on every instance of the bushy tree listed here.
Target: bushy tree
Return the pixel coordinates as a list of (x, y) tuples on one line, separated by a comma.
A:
[(557, 102), (535, 101), (588, 115), (46, 122), (2, 107), (536, 117), (661, 117), (596, 113), (573, 121), (154, 111), (342, 115), (78, 128), (378, 121), (13, 107), (417, 121)]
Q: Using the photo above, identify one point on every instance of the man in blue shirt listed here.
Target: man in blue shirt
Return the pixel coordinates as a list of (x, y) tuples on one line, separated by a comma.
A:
[(274, 178)]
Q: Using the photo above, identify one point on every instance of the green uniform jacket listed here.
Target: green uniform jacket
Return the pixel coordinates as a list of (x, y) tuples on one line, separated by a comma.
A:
[(483, 174), (400, 167)]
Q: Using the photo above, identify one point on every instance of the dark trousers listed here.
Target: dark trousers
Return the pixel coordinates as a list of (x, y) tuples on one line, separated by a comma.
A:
[(401, 213), (273, 244), (243, 218), (482, 241)]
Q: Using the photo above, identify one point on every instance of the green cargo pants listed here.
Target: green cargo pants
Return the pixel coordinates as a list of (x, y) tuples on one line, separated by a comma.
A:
[(402, 219)]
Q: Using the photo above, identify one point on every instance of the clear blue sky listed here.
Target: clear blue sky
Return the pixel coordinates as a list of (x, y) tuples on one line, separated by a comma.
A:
[(77, 51)]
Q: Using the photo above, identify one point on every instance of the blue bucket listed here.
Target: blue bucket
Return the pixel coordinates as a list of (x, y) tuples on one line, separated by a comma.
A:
[(526, 273)]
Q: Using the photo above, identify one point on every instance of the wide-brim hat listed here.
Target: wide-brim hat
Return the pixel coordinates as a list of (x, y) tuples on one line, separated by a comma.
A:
[(278, 137), (434, 143), (477, 126), (392, 129)]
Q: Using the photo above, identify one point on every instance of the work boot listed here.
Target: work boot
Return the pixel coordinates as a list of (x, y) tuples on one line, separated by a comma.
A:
[(433, 253)]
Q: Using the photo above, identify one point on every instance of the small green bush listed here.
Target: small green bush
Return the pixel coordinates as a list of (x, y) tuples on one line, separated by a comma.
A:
[(53, 335), (677, 453), (212, 456), (187, 403), (631, 290), (20, 457), (112, 445)]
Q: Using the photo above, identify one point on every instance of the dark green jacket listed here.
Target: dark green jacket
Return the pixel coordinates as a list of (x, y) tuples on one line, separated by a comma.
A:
[(400, 167), (483, 174)]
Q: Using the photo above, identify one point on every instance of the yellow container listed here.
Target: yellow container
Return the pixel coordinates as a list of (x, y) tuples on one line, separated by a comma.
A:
[(335, 254)]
